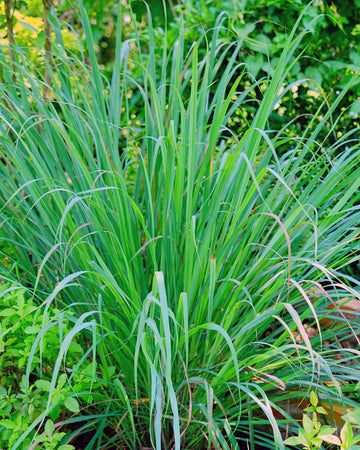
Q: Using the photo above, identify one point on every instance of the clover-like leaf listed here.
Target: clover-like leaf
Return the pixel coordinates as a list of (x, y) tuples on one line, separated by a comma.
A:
[(49, 427), (91, 368), (8, 424), (33, 329), (331, 439), (346, 434), (57, 397), (72, 404), (353, 416), (321, 410), (3, 392), (326, 430), (293, 440), (55, 412), (314, 399), (7, 312), (317, 442), (304, 438), (61, 380), (44, 385), (75, 347), (58, 436), (308, 424)]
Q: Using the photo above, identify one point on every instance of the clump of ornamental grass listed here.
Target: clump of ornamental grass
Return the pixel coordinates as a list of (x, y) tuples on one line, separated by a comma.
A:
[(188, 254)]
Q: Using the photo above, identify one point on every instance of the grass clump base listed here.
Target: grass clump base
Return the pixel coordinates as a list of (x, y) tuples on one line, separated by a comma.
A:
[(185, 255)]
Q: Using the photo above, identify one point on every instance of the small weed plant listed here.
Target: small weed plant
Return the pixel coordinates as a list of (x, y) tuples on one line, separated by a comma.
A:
[(314, 434), (22, 402)]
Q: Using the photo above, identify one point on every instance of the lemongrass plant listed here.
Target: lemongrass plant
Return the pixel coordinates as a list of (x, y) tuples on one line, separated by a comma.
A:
[(188, 256)]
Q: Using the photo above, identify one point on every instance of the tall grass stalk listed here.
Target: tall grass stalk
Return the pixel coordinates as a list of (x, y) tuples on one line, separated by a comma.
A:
[(188, 252)]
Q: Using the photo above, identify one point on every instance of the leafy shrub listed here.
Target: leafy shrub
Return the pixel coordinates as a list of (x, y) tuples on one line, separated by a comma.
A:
[(330, 52), (28, 29)]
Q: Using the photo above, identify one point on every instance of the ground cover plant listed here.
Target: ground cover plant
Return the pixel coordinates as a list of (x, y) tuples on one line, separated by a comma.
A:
[(20, 402), (192, 261), (314, 433)]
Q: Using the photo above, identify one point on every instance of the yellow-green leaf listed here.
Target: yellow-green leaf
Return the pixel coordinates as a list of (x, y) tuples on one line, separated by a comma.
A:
[(72, 404), (314, 399), (330, 439)]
